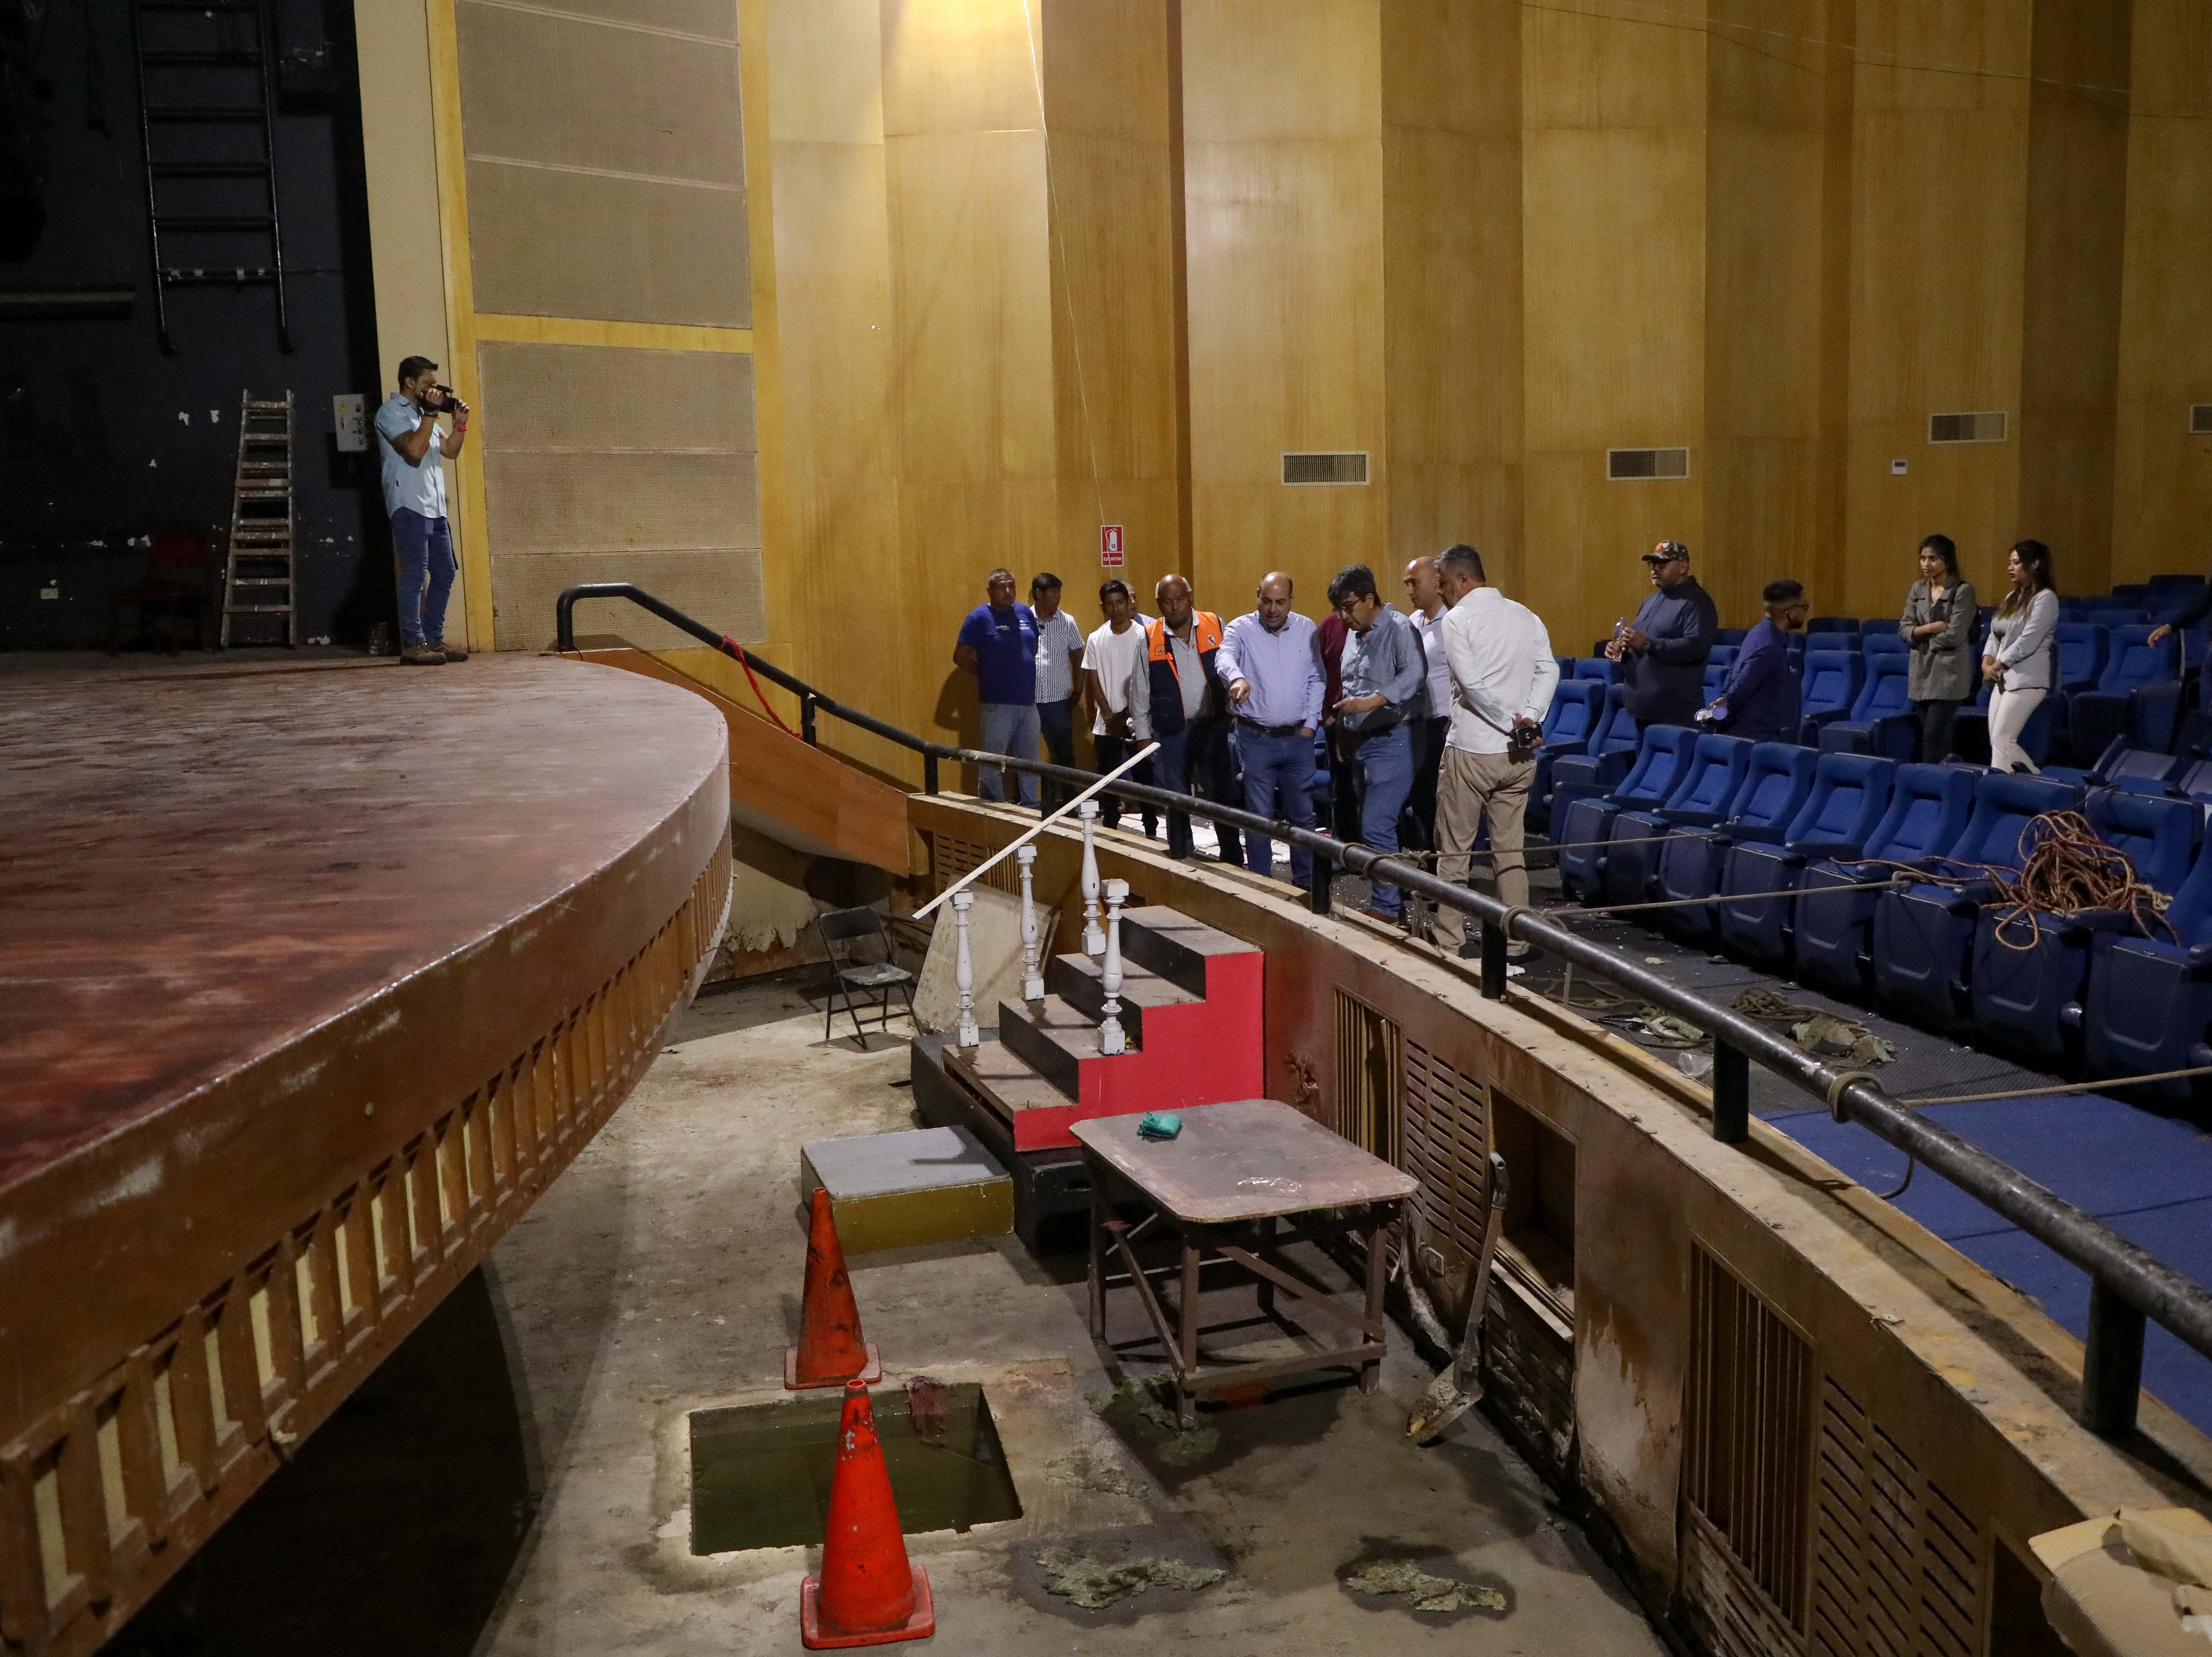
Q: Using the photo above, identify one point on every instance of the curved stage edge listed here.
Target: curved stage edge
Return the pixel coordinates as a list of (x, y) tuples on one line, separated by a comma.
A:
[(317, 975)]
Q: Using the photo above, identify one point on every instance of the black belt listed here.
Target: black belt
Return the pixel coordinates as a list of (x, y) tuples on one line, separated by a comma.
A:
[(1270, 730)]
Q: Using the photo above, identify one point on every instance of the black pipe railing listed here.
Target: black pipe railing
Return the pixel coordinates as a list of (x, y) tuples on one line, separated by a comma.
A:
[(2129, 1284)]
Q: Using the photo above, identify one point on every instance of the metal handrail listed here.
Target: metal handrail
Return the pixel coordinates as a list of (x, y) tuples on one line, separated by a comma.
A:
[(2129, 1284)]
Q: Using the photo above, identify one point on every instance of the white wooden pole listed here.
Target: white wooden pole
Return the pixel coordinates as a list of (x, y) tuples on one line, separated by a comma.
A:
[(1032, 979), (1094, 940), (1110, 1039), (963, 973)]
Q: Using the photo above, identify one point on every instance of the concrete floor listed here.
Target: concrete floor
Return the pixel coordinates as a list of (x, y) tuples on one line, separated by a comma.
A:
[(515, 1482), (661, 1274)]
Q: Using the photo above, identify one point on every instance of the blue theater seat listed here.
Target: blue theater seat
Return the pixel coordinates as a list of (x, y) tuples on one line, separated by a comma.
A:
[(2082, 646), (2135, 592), (1826, 691), (1923, 935), (1884, 644), (2113, 615), (2148, 1005), (1730, 635), (1585, 823), (1969, 734), (1879, 627), (1604, 761), (1833, 625), (2029, 973), (1832, 640), (1577, 711), (1716, 668), (1776, 786), (1929, 806), (1849, 794), (2139, 771), (2138, 694), (1597, 667), (1882, 720), (1703, 796)]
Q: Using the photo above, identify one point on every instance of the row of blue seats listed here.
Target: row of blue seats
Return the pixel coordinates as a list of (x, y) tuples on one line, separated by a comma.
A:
[(1733, 823)]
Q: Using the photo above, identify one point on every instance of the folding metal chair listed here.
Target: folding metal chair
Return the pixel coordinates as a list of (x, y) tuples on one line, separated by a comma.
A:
[(854, 983)]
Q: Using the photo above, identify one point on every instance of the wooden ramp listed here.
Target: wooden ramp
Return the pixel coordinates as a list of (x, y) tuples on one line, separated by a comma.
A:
[(794, 793)]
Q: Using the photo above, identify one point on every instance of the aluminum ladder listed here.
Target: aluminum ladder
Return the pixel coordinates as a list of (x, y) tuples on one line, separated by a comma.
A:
[(257, 573)]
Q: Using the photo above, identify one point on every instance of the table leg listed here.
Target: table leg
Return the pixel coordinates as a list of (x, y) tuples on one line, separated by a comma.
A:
[(1266, 1250), (1098, 1217), (1378, 1265), (1186, 1357)]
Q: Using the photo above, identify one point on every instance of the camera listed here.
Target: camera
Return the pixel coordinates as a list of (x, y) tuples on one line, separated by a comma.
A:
[(447, 396), (1520, 746)]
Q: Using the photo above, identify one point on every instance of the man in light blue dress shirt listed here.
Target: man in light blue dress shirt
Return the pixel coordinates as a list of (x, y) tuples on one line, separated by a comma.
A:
[(410, 447), (1271, 661)]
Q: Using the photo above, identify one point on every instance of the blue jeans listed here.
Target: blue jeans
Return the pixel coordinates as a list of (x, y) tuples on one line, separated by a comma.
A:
[(426, 555), (1278, 773), (1056, 723), (1386, 776), (1196, 760), (1009, 728)]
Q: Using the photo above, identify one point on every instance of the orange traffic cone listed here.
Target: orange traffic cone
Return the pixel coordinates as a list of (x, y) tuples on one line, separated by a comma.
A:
[(867, 1591), (830, 1351)]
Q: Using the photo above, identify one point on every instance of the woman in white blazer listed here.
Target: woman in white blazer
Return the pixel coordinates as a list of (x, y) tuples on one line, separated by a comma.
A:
[(2020, 659)]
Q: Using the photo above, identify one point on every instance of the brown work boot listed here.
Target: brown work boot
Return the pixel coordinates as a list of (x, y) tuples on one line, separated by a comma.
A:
[(423, 655), (451, 652)]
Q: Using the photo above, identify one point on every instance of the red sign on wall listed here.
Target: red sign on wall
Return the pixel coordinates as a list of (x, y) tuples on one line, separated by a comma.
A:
[(1110, 546)]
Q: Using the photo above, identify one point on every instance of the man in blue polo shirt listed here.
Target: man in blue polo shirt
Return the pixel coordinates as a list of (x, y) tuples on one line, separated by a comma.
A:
[(411, 447), (998, 644)]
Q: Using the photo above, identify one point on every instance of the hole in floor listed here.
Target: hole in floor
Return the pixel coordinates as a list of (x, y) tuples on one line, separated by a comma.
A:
[(760, 1472)]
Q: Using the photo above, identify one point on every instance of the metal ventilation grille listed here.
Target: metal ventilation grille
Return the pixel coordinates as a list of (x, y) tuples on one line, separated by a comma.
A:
[(1349, 466), (2200, 419), (1747, 1464), (1446, 1146), (1366, 1076), (1630, 465), (1897, 1565), (1988, 426)]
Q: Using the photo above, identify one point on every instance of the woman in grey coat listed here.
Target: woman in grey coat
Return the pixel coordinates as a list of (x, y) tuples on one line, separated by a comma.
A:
[(1938, 625)]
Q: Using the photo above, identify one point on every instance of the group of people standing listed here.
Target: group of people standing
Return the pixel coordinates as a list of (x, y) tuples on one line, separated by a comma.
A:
[(1431, 715)]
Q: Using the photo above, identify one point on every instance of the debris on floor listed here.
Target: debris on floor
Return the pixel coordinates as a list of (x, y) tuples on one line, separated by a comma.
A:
[(1091, 1468), (1430, 1594), (1137, 1401), (1095, 1583), (1825, 1035)]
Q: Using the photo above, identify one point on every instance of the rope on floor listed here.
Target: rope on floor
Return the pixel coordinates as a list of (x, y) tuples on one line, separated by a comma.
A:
[(2101, 1085)]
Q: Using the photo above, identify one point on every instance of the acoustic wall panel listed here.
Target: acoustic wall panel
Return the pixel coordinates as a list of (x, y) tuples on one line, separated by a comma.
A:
[(713, 20), (611, 464), (605, 168)]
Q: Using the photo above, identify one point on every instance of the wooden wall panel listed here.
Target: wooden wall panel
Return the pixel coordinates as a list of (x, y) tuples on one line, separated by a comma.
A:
[(1613, 285), (2076, 233), (2162, 495), (1451, 273), (1282, 167), (1938, 241)]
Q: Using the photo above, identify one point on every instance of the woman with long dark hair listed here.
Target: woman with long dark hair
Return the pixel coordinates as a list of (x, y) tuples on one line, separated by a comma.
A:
[(2021, 658), (1938, 625)]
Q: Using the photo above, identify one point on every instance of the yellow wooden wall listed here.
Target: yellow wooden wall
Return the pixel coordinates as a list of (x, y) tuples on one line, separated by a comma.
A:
[(1021, 267)]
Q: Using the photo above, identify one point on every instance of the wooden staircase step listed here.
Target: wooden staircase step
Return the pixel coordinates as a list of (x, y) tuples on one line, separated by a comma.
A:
[(1169, 942), (1080, 981), (1002, 1079)]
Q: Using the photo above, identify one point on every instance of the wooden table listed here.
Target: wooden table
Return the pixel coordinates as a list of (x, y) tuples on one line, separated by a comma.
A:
[(1237, 1173)]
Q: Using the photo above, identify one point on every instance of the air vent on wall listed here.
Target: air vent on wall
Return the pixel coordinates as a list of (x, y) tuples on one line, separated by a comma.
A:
[(2200, 419), (1989, 426), (1349, 466), (1628, 464)]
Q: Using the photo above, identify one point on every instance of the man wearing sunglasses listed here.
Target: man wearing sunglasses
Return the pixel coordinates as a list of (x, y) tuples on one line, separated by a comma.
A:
[(1666, 646)]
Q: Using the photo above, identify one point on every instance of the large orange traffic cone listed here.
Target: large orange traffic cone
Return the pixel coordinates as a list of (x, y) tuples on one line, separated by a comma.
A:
[(830, 1351), (867, 1591)]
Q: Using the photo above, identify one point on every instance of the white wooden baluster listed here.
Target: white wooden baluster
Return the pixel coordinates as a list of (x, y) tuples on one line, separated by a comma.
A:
[(1110, 1039), (1032, 979), (964, 973), (1094, 940)]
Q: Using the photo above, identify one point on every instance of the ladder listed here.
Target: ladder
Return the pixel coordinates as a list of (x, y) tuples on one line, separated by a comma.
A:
[(207, 117), (256, 576)]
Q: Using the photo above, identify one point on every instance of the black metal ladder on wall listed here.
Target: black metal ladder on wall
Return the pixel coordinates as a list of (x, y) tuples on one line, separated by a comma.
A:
[(207, 120)]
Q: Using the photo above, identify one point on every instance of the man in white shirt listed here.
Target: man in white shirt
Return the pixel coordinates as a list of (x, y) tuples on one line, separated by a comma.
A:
[(1059, 677), (1113, 657), (1425, 608), (1502, 675)]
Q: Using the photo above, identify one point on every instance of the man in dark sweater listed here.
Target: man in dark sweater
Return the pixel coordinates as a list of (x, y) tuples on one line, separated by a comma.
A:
[(1760, 699), (1666, 646)]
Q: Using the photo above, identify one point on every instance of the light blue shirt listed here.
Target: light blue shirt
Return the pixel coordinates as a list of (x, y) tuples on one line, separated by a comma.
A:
[(1283, 669), (409, 485), (1386, 660)]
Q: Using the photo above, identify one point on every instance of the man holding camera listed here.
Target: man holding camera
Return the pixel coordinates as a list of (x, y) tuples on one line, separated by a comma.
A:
[(1502, 673), (410, 444)]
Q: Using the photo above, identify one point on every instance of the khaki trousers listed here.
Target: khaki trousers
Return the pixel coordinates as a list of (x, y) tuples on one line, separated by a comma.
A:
[(1472, 786)]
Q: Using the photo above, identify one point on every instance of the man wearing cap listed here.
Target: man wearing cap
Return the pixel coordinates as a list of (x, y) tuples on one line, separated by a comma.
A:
[(1666, 646)]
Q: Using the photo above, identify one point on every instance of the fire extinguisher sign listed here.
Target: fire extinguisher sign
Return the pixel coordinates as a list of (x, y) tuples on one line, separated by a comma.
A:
[(1110, 546)]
